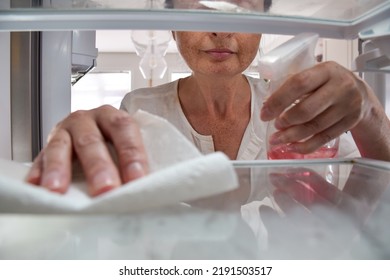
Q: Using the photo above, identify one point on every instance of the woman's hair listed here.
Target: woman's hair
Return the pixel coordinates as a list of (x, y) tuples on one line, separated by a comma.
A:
[(267, 4)]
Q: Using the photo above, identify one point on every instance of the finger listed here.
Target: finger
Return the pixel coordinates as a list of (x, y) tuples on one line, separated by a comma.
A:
[(344, 200), (332, 100), (52, 168), (91, 149), (305, 130), (318, 183), (126, 137), (35, 172), (299, 190), (313, 105), (296, 87), (300, 183), (318, 142)]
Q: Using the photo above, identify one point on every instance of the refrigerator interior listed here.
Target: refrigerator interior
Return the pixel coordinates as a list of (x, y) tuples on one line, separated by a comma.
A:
[(342, 216)]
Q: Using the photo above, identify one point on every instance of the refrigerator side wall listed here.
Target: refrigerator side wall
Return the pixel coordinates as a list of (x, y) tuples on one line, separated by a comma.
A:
[(55, 79), (5, 98), (25, 85)]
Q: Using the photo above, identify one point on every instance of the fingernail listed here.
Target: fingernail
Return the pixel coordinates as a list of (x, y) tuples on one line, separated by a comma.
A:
[(275, 140), (279, 124), (52, 181), (134, 170), (33, 177), (102, 182)]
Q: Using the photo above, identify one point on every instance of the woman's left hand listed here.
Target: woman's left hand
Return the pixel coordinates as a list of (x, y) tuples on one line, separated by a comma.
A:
[(332, 100)]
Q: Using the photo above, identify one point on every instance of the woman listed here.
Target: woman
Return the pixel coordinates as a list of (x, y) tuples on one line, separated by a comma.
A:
[(215, 98), (218, 108)]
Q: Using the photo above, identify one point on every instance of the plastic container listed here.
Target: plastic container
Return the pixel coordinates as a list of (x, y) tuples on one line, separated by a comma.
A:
[(291, 57)]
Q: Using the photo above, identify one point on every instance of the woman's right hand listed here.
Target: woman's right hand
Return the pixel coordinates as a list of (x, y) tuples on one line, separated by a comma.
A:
[(84, 135)]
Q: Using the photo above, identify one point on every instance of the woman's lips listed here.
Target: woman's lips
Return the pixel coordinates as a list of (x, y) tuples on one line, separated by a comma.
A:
[(220, 54)]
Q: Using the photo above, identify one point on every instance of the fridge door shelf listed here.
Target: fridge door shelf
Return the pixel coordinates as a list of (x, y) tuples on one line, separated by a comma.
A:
[(376, 49)]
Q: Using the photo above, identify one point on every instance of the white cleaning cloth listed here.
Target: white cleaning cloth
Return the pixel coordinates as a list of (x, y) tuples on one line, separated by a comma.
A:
[(178, 173)]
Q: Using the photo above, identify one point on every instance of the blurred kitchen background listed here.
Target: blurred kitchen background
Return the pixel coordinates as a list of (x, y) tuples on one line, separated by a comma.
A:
[(127, 60)]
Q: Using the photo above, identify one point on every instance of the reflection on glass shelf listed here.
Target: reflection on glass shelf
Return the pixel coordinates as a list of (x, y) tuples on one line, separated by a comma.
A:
[(280, 210)]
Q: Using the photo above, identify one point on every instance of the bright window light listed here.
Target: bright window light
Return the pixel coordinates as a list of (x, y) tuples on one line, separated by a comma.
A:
[(96, 89), (178, 75)]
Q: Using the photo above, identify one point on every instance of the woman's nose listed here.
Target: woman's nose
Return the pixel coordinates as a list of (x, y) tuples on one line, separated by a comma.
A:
[(222, 34)]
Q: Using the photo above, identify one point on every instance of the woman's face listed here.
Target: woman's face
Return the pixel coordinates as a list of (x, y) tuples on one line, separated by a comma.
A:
[(216, 53)]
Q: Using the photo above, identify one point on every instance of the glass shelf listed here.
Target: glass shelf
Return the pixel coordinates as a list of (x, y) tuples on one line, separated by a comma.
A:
[(281, 210), (331, 19)]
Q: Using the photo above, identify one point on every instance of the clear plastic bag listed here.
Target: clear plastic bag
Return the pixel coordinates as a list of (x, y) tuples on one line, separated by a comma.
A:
[(291, 57)]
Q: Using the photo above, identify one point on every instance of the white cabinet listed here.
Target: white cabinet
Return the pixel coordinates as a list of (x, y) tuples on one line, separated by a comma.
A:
[(342, 51)]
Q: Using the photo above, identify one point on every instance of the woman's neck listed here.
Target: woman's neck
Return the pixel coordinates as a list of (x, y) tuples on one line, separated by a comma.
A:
[(220, 108), (219, 98)]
